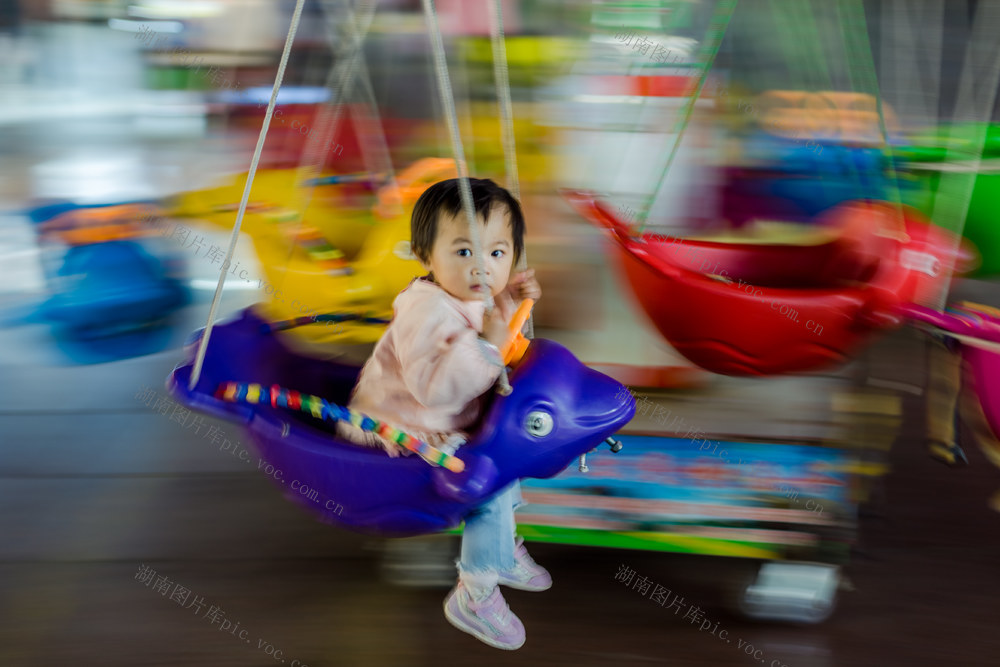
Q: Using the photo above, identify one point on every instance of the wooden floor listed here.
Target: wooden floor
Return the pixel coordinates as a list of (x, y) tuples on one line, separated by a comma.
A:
[(96, 487)]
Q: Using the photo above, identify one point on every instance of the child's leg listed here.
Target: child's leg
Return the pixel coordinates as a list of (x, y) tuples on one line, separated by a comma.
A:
[(488, 542), (527, 575), (476, 605), (943, 388), (516, 499)]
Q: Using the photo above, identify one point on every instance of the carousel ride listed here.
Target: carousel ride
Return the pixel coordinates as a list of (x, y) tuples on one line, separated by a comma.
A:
[(113, 290), (861, 268), (864, 265), (816, 254)]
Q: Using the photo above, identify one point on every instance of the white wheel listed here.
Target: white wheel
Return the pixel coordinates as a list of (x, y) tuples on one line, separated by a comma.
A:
[(792, 592)]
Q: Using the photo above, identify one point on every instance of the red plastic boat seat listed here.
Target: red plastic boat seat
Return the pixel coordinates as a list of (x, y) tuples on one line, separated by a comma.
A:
[(763, 309)]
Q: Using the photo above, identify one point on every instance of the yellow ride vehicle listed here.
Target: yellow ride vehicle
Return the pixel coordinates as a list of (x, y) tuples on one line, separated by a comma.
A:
[(332, 258)]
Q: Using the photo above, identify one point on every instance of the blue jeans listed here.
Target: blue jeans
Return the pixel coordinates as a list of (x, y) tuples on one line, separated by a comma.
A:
[(488, 539)]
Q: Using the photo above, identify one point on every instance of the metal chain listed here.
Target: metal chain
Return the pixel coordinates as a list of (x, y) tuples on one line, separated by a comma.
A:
[(713, 40)]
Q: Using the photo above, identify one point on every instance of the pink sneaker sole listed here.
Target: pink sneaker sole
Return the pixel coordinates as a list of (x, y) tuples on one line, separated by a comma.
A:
[(480, 628)]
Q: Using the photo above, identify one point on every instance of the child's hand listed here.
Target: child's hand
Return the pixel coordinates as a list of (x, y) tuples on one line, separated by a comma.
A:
[(495, 328), (524, 286)]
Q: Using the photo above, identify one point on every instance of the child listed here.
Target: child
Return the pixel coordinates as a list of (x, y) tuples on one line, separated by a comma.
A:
[(429, 371)]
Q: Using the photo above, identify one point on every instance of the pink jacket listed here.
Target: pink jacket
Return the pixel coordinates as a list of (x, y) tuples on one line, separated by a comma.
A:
[(429, 371)]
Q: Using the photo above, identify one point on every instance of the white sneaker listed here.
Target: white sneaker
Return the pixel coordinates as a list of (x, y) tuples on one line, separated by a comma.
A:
[(489, 620), (527, 575)]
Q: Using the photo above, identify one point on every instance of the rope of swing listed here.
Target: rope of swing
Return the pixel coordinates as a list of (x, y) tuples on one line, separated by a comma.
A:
[(717, 26), (350, 65), (502, 83), (857, 45), (353, 73), (951, 204), (800, 19), (458, 152), (234, 237), (977, 95)]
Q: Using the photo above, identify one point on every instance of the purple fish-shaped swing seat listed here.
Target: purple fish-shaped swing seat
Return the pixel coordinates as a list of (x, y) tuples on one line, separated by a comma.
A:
[(558, 410)]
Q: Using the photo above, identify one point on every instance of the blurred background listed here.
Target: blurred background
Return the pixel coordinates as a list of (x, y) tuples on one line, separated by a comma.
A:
[(866, 532)]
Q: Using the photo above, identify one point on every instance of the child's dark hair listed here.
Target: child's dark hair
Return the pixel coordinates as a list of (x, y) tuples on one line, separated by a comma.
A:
[(445, 197)]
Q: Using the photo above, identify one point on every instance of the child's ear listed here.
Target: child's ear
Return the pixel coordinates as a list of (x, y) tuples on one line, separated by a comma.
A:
[(420, 260)]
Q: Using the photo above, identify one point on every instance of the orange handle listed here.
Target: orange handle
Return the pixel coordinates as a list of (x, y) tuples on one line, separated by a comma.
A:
[(516, 344)]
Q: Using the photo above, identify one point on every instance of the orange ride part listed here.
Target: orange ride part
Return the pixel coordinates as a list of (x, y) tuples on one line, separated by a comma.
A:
[(516, 344), (101, 234), (411, 183), (840, 115), (99, 224), (755, 309)]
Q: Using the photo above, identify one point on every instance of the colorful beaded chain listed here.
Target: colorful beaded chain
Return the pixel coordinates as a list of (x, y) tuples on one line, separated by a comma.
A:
[(279, 397)]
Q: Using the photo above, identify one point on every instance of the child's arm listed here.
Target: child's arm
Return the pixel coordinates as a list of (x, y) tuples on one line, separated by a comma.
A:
[(444, 361)]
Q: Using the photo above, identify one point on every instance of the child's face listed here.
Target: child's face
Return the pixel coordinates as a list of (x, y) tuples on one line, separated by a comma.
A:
[(452, 258)]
